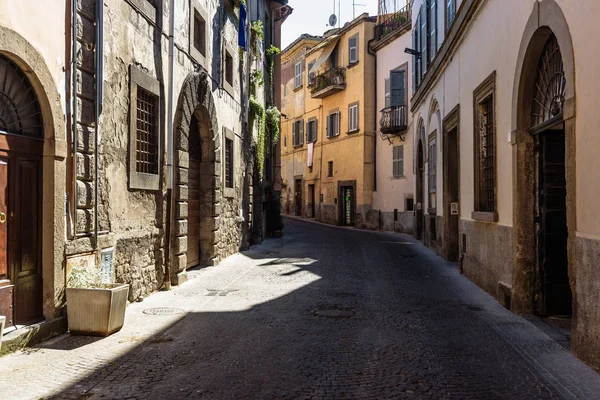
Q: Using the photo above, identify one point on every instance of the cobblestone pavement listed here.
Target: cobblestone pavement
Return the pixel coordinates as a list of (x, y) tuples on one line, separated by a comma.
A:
[(324, 313)]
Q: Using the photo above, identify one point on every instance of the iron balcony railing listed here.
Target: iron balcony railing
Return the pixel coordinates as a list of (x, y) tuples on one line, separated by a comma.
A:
[(393, 120), (334, 78), (388, 23)]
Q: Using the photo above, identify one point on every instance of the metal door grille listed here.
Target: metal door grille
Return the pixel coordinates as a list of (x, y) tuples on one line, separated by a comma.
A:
[(488, 170), (549, 97), (228, 163), (147, 137), (20, 111)]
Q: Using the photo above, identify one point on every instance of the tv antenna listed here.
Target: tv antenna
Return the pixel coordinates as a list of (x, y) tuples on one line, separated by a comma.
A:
[(354, 5)]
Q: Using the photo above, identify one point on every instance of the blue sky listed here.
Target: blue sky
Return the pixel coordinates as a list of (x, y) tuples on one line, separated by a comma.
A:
[(311, 16)]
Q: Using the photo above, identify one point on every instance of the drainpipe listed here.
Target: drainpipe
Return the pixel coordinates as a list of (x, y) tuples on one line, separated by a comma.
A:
[(99, 102), (371, 52), (170, 145), (74, 111)]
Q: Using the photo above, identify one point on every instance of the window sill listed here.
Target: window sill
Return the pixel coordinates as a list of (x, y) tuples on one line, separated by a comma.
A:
[(398, 177), (484, 216), (333, 136), (311, 141), (432, 211), (229, 192), (297, 146), (353, 131), (228, 88), (352, 65), (297, 89)]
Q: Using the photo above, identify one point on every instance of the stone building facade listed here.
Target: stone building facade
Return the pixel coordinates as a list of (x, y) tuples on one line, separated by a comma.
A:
[(514, 123), (151, 171)]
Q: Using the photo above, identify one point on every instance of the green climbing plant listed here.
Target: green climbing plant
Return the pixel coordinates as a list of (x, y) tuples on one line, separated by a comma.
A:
[(272, 51), (272, 124), (257, 114)]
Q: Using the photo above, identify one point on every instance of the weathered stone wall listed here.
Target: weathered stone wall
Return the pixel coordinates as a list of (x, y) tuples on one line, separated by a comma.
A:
[(404, 224)]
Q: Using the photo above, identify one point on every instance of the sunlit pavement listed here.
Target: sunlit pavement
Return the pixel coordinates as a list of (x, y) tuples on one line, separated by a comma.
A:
[(322, 313)]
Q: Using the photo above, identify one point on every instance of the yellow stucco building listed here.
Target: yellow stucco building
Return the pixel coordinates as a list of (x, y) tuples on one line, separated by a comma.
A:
[(328, 126)]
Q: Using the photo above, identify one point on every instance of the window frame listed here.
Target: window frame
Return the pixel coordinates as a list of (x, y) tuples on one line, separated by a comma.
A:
[(229, 182), (350, 60), (315, 122), (485, 92), (398, 161), (339, 120), (141, 180), (148, 8), (432, 170), (351, 107), (197, 9), (308, 77), (387, 93), (298, 75), (228, 86), (330, 171), (298, 133)]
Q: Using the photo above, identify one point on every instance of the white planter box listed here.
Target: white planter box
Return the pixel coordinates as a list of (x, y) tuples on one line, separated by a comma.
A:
[(96, 312), (2, 321)]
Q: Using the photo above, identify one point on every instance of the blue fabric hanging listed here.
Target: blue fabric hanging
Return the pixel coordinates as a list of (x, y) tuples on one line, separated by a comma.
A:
[(242, 28)]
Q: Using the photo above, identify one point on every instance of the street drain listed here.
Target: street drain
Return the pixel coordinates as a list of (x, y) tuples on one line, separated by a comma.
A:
[(334, 312), (163, 311)]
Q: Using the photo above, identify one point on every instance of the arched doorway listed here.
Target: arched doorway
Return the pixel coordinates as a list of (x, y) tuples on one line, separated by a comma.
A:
[(21, 148), (419, 197), (544, 174)]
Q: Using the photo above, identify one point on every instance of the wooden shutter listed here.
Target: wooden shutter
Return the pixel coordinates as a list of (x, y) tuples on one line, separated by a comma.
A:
[(415, 60), (433, 28), (301, 135), (397, 87), (387, 95), (424, 38), (400, 160), (315, 130), (294, 134)]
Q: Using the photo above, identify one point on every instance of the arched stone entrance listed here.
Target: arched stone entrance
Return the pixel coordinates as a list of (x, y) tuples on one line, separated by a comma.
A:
[(544, 171), (198, 173), (36, 163)]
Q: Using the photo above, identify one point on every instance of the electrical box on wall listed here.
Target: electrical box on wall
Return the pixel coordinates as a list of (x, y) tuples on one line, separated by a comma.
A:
[(107, 272)]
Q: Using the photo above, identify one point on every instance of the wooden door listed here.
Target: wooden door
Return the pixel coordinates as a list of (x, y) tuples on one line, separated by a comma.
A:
[(347, 196), (193, 244), (6, 287), (25, 237), (419, 212), (298, 194), (552, 225)]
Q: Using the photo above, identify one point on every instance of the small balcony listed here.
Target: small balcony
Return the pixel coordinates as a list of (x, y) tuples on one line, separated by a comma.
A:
[(328, 83), (394, 121), (389, 23)]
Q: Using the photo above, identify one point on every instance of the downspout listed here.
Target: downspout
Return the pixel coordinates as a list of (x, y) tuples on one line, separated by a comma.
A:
[(99, 103), (371, 52), (170, 145), (74, 112)]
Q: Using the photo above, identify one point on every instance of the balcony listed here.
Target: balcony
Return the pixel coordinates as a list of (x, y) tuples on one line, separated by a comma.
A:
[(389, 23), (394, 121), (328, 83)]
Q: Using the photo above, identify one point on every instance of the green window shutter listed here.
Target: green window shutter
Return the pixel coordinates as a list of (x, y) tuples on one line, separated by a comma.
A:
[(397, 87)]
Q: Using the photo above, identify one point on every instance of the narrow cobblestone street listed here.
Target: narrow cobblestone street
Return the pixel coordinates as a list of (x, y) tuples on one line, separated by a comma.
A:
[(323, 313)]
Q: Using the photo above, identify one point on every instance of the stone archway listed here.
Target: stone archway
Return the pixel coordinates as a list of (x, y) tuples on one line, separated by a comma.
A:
[(196, 115), (546, 21), (16, 48)]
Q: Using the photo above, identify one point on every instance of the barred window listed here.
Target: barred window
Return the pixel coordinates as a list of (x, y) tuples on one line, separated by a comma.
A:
[(329, 169), (146, 157), (432, 170), (228, 163), (398, 161), (487, 180)]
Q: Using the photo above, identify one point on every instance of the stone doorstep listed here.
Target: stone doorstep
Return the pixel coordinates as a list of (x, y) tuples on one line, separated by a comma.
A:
[(32, 334)]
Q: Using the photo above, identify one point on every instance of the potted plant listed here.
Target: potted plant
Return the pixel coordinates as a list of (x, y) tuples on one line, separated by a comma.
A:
[(94, 308)]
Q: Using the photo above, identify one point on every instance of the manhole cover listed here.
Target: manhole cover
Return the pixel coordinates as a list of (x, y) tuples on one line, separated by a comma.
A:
[(334, 312), (163, 311)]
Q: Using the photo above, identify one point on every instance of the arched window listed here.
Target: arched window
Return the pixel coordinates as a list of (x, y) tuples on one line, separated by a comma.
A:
[(549, 97), (20, 112)]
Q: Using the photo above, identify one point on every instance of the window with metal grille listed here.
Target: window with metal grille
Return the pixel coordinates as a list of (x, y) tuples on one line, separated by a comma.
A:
[(353, 118), (450, 12), (353, 49), (146, 155), (398, 161), (329, 169), (486, 148), (199, 33), (432, 170), (298, 75), (333, 124), (228, 163), (228, 68), (311, 131)]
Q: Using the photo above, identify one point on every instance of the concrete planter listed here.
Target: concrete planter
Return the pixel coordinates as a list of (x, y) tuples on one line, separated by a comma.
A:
[(2, 321), (96, 312)]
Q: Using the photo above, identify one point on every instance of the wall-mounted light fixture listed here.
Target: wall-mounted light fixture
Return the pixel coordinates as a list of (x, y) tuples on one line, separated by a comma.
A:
[(412, 52)]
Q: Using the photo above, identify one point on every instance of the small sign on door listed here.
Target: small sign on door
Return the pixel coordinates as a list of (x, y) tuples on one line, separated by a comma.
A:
[(454, 208), (418, 206)]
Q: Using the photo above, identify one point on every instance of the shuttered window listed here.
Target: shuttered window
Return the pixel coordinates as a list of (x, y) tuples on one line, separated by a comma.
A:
[(424, 38), (415, 60), (388, 95), (311, 131), (433, 42), (397, 87), (353, 49), (333, 124), (398, 161), (298, 75), (353, 118), (450, 12), (298, 133)]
